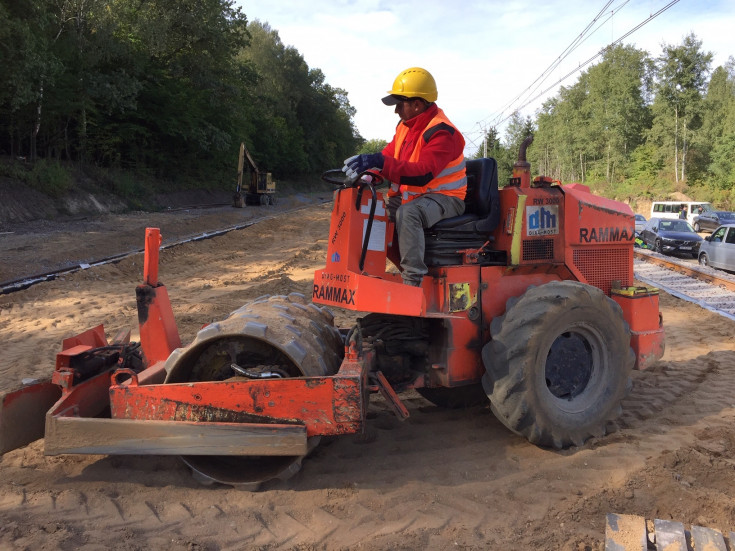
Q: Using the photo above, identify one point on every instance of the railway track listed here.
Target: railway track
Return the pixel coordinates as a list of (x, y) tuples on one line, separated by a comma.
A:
[(11, 286), (709, 288)]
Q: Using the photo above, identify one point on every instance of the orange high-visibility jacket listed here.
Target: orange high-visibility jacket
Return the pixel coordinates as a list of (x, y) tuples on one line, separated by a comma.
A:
[(452, 180)]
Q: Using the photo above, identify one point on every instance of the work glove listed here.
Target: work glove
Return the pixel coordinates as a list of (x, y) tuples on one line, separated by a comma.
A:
[(356, 165)]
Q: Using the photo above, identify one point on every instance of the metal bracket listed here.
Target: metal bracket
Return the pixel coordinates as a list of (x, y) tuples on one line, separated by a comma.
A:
[(390, 395)]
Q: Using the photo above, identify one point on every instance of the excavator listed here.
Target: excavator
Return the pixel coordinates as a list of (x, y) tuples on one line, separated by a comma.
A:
[(529, 307), (261, 189)]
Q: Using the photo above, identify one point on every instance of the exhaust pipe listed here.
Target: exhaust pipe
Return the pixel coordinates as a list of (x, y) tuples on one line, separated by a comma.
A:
[(522, 168)]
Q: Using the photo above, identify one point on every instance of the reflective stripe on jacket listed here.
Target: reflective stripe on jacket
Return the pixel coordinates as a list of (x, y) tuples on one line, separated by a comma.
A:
[(452, 180)]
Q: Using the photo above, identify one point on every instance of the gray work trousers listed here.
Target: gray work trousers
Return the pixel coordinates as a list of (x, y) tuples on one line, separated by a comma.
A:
[(411, 219)]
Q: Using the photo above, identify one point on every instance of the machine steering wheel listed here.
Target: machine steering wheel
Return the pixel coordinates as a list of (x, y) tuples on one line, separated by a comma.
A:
[(336, 177)]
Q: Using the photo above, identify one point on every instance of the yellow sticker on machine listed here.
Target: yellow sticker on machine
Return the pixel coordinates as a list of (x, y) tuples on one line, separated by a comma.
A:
[(460, 298), (635, 291), (515, 246)]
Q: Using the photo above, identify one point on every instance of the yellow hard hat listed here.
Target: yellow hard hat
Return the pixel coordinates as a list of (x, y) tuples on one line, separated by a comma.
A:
[(412, 83)]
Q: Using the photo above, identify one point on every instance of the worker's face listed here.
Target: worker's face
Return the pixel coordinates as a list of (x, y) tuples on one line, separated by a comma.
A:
[(409, 109)]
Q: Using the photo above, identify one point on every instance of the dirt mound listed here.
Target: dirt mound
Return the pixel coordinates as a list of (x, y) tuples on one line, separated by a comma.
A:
[(20, 203)]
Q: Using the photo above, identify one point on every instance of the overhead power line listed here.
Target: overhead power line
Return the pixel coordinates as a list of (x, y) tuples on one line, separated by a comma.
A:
[(567, 51), (577, 41)]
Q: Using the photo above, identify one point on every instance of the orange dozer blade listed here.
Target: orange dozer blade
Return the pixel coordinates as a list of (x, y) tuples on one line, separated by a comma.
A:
[(23, 409), (23, 413)]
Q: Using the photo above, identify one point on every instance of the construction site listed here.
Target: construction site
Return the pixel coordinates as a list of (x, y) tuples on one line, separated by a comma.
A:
[(196, 418)]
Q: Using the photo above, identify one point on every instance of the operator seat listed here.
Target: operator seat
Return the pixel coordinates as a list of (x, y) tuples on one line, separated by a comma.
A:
[(470, 230)]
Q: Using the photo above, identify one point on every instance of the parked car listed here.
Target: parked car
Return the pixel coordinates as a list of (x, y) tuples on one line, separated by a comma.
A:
[(671, 236), (640, 222), (713, 219), (672, 209), (718, 250)]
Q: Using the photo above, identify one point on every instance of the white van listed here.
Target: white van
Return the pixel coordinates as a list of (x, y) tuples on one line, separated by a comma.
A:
[(671, 209)]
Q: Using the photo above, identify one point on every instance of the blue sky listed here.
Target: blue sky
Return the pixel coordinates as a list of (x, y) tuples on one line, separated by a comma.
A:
[(484, 55)]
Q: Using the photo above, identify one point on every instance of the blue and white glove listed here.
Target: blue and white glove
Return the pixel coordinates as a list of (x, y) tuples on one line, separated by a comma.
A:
[(356, 165)]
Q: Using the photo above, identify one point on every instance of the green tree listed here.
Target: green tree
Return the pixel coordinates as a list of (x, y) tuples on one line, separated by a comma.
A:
[(616, 111), (560, 149), (30, 69), (718, 131), (372, 146), (590, 129), (490, 144), (681, 79), (518, 129), (300, 123), (493, 147)]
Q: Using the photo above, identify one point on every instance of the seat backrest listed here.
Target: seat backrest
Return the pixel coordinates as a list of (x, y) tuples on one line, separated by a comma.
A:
[(482, 186), (482, 198)]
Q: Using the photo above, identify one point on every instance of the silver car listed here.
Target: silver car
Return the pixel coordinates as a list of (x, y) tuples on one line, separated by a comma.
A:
[(718, 250), (640, 221)]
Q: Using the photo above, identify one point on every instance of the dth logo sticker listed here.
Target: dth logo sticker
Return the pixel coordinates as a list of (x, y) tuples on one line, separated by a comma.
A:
[(542, 220)]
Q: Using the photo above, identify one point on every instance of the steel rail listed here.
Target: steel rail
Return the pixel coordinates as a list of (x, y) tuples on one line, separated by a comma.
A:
[(695, 285), (694, 272), (11, 286)]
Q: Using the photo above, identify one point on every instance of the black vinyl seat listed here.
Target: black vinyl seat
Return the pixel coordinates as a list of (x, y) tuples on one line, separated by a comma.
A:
[(470, 230)]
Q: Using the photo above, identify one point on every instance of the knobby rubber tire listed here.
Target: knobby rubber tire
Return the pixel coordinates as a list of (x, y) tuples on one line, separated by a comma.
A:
[(536, 341)]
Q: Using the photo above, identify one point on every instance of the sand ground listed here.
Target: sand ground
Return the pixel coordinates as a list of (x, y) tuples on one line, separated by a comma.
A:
[(442, 479)]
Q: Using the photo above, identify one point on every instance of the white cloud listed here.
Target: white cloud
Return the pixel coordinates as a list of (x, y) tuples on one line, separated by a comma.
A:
[(483, 54)]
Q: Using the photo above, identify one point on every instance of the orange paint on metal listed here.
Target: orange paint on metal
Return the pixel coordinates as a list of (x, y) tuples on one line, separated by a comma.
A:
[(22, 414), (159, 335), (63, 374), (391, 397), (153, 242), (92, 338), (641, 310), (343, 282), (327, 405), (86, 399)]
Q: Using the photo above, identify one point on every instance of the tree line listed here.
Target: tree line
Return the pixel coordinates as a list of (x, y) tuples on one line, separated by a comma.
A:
[(166, 88), (169, 89), (636, 126)]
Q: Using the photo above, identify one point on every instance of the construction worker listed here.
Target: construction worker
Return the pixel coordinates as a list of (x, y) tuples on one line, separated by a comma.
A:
[(424, 163)]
